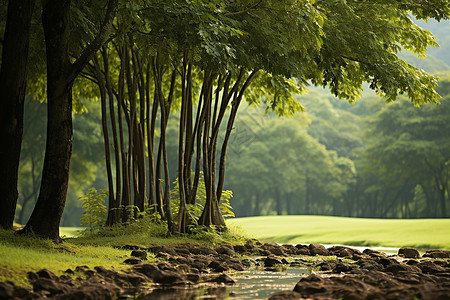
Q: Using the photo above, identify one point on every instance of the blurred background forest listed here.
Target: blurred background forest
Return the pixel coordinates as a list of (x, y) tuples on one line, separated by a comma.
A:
[(367, 159)]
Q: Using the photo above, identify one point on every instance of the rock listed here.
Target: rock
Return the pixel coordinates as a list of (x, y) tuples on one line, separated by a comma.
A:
[(183, 251), (327, 265), (407, 252), (130, 279), (437, 254), (342, 251), (430, 268), (226, 249), (398, 281), (235, 264), (199, 264), (412, 262), (223, 278), (32, 276), (374, 253), (396, 268), (23, 293), (317, 249), (312, 284), (44, 273), (385, 261), (6, 290), (50, 285), (302, 249), (165, 249), (271, 262), (277, 251), (241, 249), (105, 272), (141, 254), (251, 248), (169, 277), (217, 266), (81, 269), (203, 251), (343, 268), (285, 296), (179, 260), (193, 277), (132, 261), (92, 292), (263, 252), (370, 264), (150, 270), (289, 249)]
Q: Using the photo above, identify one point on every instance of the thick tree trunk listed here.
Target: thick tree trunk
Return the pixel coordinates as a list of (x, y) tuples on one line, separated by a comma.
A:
[(61, 73), (46, 216), (12, 90)]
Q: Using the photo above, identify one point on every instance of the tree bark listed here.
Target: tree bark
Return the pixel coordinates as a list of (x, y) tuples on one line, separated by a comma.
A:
[(46, 216), (12, 87), (61, 73), (102, 88), (113, 213)]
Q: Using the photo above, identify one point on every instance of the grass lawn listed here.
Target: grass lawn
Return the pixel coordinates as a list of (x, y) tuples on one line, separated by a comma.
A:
[(70, 231), (420, 233)]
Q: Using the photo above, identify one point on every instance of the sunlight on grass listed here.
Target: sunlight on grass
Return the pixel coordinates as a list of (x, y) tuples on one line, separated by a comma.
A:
[(21, 254), (420, 233), (70, 231)]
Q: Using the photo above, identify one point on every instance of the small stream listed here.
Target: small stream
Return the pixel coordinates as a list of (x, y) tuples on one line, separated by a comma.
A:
[(250, 284), (259, 284)]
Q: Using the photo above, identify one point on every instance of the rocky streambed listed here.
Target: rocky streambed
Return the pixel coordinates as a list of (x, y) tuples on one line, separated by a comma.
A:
[(194, 272)]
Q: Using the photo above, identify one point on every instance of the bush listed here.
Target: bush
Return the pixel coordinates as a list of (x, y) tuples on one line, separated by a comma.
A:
[(94, 210)]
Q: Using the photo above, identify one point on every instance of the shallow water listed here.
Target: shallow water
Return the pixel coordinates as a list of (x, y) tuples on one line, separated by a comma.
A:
[(259, 284), (251, 284)]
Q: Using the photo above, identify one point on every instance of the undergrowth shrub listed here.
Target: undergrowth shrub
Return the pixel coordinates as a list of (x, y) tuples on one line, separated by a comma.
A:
[(195, 210), (94, 213)]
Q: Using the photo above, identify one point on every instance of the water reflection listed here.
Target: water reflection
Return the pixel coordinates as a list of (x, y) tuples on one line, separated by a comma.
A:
[(257, 284), (251, 284)]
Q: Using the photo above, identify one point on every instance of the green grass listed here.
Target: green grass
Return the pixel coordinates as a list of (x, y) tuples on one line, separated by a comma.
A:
[(70, 231), (419, 233), (20, 254)]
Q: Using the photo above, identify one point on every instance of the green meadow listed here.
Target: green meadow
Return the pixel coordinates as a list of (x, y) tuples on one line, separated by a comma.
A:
[(419, 233)]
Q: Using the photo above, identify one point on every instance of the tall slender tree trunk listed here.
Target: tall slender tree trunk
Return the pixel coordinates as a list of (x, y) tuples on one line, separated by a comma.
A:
[(12, 90), (113, 213), (151, 124), (278, 201), (102, 88)]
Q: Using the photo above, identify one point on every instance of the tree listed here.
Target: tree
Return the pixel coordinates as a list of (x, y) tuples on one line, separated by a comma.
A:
[(409, 147), (61, 73), (217, 55), (12, 88)]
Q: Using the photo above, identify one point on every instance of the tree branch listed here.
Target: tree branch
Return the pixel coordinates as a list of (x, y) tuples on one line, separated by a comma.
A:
[(102, 36)]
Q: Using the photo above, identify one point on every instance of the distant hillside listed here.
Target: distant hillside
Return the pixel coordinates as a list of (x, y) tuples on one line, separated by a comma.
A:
[(438, 59)]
